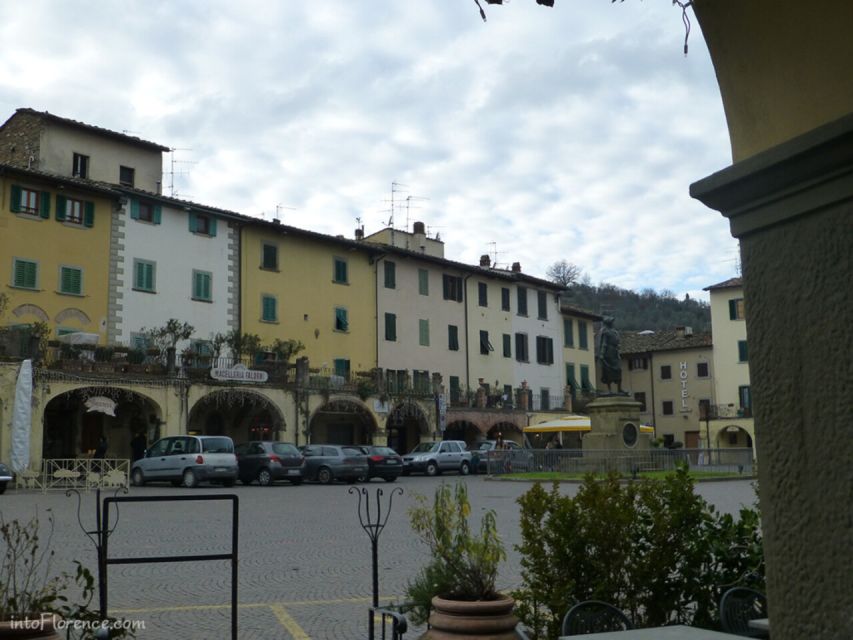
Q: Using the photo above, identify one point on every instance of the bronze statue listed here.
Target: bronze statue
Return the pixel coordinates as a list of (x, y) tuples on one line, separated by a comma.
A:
[(608, 354)]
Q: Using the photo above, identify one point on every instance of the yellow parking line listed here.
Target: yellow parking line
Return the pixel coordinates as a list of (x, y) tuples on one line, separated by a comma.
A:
[(289, 624), (244, 605)]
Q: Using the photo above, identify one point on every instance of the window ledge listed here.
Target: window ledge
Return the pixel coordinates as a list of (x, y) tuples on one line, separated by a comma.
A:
[(25, 215), (346, 284), (74, 225), (143, 290), (273, 269), (68, 293), (268, 321), (344, 331), (149, 222), (202, 300), (13, 286)]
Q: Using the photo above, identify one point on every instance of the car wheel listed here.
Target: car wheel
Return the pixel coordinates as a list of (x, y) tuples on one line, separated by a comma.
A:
[(465, 469), (137, 478), (431, 468), (390, 478), (189, 480), (264, 477), (324, 475)]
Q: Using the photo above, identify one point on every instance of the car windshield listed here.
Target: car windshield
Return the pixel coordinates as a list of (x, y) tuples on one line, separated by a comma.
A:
[(217, 445), (426, 447), (284, 449), (384, 451), (485, 446)]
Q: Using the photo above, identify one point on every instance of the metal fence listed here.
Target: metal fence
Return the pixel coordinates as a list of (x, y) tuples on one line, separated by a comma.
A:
[(76, 473), (623, 461)]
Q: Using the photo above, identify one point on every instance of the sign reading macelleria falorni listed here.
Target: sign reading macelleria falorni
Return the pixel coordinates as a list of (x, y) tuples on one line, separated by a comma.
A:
[(238, 373)]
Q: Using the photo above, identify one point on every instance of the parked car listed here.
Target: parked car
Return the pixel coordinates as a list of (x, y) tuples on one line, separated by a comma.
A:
[(327, 462), (382, 462), (487, 458), (187, 460), (5, 476), (267, 462), (433, 458)]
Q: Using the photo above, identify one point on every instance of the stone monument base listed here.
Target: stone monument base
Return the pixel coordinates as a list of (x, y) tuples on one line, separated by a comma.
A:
[(615, 421)]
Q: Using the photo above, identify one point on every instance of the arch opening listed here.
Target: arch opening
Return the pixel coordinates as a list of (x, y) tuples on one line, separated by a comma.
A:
[(405, 426), (342, 422), (239, 414)]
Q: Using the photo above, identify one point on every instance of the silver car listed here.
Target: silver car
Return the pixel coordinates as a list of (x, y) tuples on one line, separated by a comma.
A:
[(5, 476), (186, 461), (433, 458)]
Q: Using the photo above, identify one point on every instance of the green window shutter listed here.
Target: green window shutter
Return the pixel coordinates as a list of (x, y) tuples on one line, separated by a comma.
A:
[(732, 309), (157, 214), (269, 309), (149, 277), (192, 219), (44, 204), (88, 214), (60, 207), (25, 274), (15, 204), (341, 320), (423, 331), (71, 280), (208, 281), (507, 340), (452, 337), (212, 227), (390, 327), (134, 208), (742, 351), (390, 275), (568, 332), (583, 340), (423, 282)]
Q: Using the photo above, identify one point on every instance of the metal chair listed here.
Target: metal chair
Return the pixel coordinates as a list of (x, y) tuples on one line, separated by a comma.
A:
[(738, 606), (594, 616)]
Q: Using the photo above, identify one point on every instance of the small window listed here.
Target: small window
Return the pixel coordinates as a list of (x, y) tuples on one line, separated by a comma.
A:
[(666, 372), (668, 408), (586, 383), (80, 166), (736, 309), (25, 274), (522, 301), (423, 333), (391, 327), (148, 212), (269, 257), (71, 210), (341, 319), (202, 285), (544, 350), (340, 274), (453, 337), (485, 345), (483, 294), (701, 369), (504, 299), (568, 332), (640, 396), (342, 368), (71, 281), (544, 399), (423, 282), (269, 308), (542, 304), (745, 399), (29, 201), (507, 345), (390, 275), (452, 287), (571, 382), (126, 176), (583, 338), (202, 224), (742, 351), (521, 347), (144, 275), (454, 389)]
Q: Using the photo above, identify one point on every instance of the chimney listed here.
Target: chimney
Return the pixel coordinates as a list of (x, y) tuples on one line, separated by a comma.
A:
[(419, 233), (485, 261), (516, 267), (158, 188), (359, 233)]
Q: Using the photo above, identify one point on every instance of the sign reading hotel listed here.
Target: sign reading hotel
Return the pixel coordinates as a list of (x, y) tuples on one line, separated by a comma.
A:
[(238, 373), (683, 376)]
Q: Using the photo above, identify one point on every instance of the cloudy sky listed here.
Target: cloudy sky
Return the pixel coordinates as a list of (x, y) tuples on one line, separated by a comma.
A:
[(570, 132)]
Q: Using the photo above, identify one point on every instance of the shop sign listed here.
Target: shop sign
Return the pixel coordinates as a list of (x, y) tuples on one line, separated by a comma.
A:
[(238, 373), (101, 404)]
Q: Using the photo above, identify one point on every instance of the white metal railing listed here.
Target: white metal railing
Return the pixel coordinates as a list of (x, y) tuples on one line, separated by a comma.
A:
[(76, 473)]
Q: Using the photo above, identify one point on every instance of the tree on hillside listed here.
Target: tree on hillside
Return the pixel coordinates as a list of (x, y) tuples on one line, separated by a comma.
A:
[(564, 273)]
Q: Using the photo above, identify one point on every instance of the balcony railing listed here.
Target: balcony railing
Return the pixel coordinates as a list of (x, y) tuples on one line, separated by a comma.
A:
[(723, 411)]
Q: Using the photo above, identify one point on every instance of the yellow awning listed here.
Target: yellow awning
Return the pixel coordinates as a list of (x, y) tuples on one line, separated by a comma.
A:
[(566, 423), (646, 428)]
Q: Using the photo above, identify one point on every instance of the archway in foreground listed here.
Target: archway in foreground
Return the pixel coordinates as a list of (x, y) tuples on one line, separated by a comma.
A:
[(463, 430), (406, 426), (506, 431), (734, 436), (342, 422), (237, 413)]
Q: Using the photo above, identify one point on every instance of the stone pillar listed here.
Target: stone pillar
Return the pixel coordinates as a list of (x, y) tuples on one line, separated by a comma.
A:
[(615, 424), (791, 207)]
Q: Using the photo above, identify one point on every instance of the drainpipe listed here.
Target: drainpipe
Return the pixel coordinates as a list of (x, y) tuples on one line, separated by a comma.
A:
[(467, 337), (652, 386), (376, 300)]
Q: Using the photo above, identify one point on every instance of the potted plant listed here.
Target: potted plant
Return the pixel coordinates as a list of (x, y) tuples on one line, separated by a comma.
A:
[(456, 591)]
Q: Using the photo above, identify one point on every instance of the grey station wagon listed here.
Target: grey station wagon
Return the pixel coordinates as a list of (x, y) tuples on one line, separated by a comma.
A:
[(186, 461)]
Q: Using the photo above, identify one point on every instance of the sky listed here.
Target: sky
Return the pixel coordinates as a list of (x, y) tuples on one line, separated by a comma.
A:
[(543, 134)]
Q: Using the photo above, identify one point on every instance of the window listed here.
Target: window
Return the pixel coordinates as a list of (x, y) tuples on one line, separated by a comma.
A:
[(544, 350), (668, 408), (571, 381), (202, 285), (507, 340), (25, 274), (341, 319), (147, 212), (71, 280), (701, 369), (521, 347), (485, 345), (544, 399), (269, 257), (342, 368), (640, 396), (423, 333), (390, 275), (742, 351), (522, 301), (586, 383), (504, 299), (423, 282), (542, 304), (745, 398), (666, 372), (269, 308), (454, 389), (582, 335), (391, 327), (126, 176), (340, 274), (144, 275), (29, 201), (736, 309), (639, 362), (705, 409), (568, 332), (420, 381), (202, 224), (80, 166), (453, 337), (452, 287), (483, 294), (75, 211)]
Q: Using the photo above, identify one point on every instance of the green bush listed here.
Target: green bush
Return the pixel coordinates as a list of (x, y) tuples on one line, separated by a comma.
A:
[(652, 548)]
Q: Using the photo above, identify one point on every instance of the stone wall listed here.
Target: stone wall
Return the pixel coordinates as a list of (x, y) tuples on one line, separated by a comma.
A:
[(20, 141)]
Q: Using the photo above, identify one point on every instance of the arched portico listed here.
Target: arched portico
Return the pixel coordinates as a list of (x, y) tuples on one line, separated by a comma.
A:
[(240, 414), (406, 425), (342, 421)]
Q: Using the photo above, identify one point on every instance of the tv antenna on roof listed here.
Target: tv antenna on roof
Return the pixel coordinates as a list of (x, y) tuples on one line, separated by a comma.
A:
[(278, 209), (172, 192), (395, 188), (409, 205), (495, 253)]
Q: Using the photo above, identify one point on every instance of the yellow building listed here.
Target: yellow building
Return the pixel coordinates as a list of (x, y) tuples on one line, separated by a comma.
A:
[(311, 287), (55, 242), (579, 351)]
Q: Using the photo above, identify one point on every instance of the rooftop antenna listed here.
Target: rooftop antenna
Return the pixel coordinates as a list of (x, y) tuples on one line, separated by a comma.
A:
[(395, 188), (430, 227), (409, 205), (172, 192), (495, 253), (278, 209)]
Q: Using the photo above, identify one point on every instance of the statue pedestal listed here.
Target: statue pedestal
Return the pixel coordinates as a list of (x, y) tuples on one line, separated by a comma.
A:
[(615, 424)]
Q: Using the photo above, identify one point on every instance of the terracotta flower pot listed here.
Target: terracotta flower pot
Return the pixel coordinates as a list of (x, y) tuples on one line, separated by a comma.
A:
[(461, 620), (39, 628)]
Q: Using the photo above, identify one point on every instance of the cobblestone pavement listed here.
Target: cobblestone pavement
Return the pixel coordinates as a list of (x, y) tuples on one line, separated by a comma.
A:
[(304, 568)]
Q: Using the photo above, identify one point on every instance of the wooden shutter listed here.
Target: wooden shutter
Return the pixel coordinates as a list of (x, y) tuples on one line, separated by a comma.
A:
[(212, 227), (88, 214), (60, 207), (193, 221), (15, 204), (156, 213), (423, 330), (732, 309), (134, 208), (44, 204)]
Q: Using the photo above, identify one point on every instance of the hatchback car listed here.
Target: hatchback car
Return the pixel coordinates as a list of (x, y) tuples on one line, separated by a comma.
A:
[(433, 458), (267, 462), (187, 460), (382, 462), (327, 462), (5, 476)]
